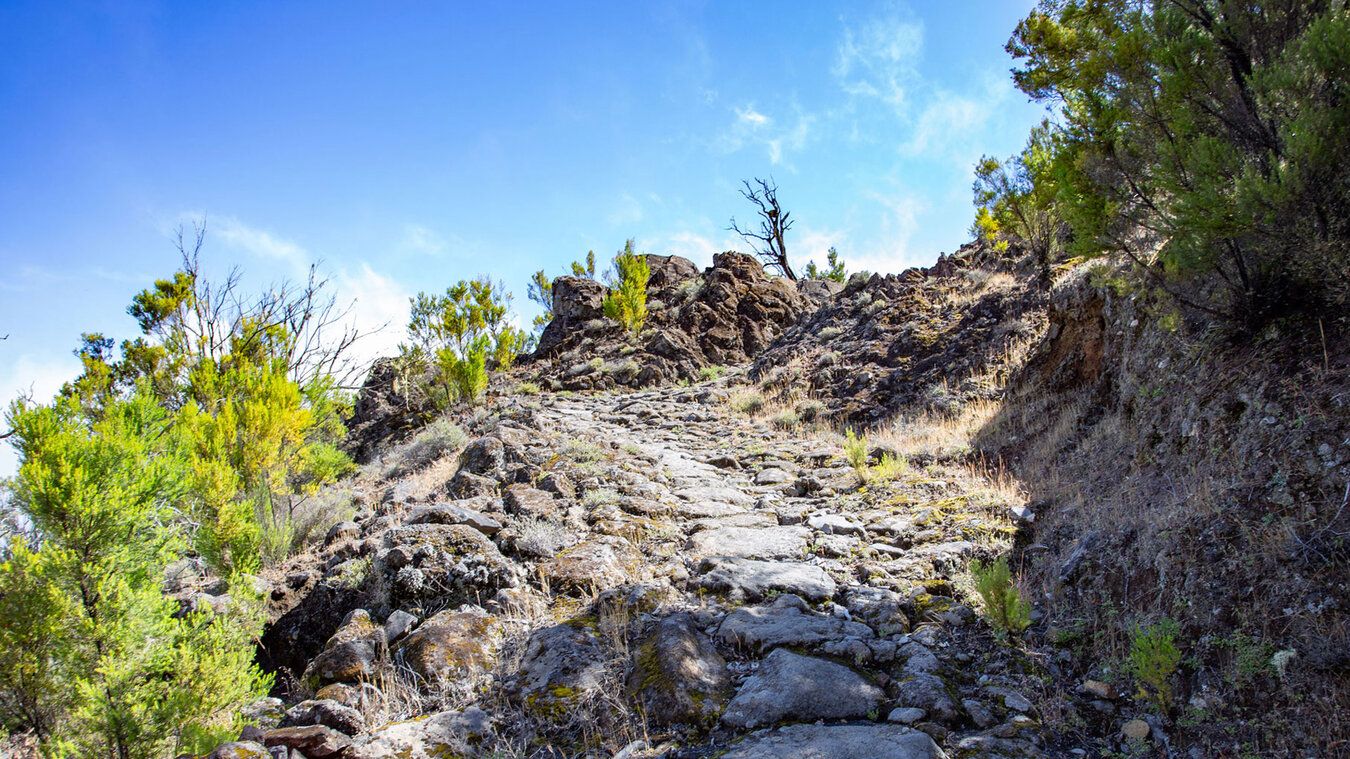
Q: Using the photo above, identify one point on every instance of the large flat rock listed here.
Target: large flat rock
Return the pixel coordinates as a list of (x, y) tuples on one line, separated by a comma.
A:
[(751, 542), (789, 687), (764, 628), (750, 579), (837, 742)]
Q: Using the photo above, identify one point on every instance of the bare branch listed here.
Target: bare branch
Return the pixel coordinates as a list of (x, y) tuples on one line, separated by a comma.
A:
[(773, 226)]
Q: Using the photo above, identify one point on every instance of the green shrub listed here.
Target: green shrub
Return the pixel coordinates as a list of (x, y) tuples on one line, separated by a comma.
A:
[(93, 655), (711, 372), (810, 411), (463, 333), (1154, 656), (527, 388), (786, 420), (889, 468), (1004, 608), (855, 450), (627, 301)]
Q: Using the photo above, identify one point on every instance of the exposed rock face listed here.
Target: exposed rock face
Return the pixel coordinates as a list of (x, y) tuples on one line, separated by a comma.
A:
[(886, 343), (724, 315)]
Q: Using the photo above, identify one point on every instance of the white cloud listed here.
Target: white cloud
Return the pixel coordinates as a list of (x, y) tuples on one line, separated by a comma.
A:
[(752, 127), (752, 118), (809, 244), (879, 59), (380, 311), (953, 126), (890, 252)]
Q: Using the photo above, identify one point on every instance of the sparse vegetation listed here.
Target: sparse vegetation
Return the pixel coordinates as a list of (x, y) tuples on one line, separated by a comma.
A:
[(1004, 608), (1154, 658), (746, 401), (627, 301)]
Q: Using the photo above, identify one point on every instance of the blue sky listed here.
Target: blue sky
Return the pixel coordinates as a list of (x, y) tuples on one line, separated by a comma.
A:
[(408, 145)]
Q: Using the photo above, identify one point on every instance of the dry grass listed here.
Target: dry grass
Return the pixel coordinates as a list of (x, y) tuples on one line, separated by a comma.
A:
[(941, 436)]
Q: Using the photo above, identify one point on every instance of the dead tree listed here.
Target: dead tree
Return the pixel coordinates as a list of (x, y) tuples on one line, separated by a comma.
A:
[(774, 224)]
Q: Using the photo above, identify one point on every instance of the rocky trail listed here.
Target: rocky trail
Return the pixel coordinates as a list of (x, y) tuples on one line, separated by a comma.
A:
[(647, 574)]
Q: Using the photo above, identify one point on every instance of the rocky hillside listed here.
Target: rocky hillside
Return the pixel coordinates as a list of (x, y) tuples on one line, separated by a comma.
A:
[(647, 573), (663, 546)]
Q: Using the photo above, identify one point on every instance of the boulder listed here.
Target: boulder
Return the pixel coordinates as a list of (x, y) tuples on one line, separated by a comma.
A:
[(351, 654), (340, 717), (446, 512), (677, 675), (483, 456), (751, 543), (445, 734), (601, 563), (313, 742), (453, 645), (562, 666), (789, 687), (785, 623)]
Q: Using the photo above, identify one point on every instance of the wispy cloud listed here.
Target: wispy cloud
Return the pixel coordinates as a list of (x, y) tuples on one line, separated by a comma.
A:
[(380, 310), (260, 243), (753, 127), (626, 211), (879, 57), (422, 240), (752, 118)]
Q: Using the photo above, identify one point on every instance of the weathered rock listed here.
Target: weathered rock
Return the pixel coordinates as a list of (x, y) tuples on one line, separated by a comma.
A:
[(445, 734), (397, 625), (764, 628), (240, 750), (453, 645), (751, 543), (342, 531), (600, 563), (340, 717), (483, 456), (750, 580), (836, 742), (523, 500), (449, 563), (677, 675), (313, 742), (788, 687), (445, 512), (359, 697), (558, 484), (834, 524), (878, 607), (350, 654), (466, 484), (1135, 730), (772, 476), (927, 692), (562, 666)]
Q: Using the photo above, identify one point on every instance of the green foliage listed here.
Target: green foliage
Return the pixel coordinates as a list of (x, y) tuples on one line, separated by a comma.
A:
[(626, 303), (585, 270), (707, 373), (1004, 608), (540, 291), (97, 662), (249, 395), (1154, 656), (889, 468), (463, 334), (1217, 134), (836, 270), (1018, 198)]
